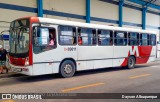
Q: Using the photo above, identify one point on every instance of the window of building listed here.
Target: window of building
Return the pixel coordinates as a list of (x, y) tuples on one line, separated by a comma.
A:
[(105, 37), (67, 35), (87, 36), (44, 39), (133, 39), (120, 38)]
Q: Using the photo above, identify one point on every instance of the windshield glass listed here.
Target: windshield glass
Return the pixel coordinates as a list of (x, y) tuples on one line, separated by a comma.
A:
[(19, 37)]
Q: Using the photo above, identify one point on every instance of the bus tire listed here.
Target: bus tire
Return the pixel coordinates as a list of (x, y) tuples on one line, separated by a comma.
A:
[(131, 62), (67, 69)]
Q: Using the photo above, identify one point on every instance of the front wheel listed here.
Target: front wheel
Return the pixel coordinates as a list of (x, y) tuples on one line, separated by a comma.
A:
[(131, 62), (67, 69)]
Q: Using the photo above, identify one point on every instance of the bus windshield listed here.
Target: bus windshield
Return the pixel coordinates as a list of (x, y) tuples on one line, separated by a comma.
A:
[(19, 38)]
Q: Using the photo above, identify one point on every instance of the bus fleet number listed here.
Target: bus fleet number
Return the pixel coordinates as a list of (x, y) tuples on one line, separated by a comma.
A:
[(70, 49)]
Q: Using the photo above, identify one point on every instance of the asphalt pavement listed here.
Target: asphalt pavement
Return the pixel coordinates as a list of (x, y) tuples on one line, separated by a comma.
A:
[(142, 79)]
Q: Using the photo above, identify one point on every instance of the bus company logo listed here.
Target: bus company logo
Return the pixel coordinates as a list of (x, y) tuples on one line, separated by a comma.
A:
[(70, 49), (134, 51), (6, 96)]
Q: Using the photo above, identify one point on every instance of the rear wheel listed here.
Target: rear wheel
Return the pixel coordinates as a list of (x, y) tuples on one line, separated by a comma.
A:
[(67, 69), (131, 62)]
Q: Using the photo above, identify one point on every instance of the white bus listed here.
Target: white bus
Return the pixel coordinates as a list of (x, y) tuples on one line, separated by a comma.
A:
[(43, 46)]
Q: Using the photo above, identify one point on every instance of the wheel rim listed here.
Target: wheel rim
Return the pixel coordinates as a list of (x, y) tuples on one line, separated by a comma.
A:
[(131, 62), (68, 68)]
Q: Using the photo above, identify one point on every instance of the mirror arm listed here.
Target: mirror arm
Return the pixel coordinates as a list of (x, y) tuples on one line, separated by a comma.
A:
[(5, 31)]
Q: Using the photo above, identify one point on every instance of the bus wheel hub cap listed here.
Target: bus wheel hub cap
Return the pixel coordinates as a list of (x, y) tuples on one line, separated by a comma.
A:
[(68, 68)]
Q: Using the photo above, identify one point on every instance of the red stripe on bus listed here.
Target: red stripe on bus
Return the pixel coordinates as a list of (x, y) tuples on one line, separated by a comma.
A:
[(144, 54), (32, 20)]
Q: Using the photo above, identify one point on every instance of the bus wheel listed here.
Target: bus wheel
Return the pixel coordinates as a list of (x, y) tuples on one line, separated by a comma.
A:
[(67, 69), (131, 62)]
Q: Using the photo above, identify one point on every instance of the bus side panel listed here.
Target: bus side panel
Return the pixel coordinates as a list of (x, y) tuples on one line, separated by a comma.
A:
[(42, 68), (106, 57), (85, 59), (152, 55), (144, 53), (93, 57), (102, 63), (43, 62), (81, 65), (121, 54), (49, 61)]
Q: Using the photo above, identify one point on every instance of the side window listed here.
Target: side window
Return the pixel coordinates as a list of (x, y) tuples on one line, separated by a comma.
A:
[(152, 39), (44, 38), (133, 39), (105, 37), (120, 38), (52, 37), (67, 35), (144, 39), (87, 36)]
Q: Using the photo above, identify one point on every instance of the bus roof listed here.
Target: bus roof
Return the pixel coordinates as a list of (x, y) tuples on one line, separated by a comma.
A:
[(96, 26)]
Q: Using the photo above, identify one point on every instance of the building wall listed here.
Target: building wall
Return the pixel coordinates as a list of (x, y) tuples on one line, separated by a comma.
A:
[(132, 16), (27, 3), (69, 6), (102, 12), (100, 9), (152, 21), (77, 7), (15, 9), (4, 25), (11, 15)]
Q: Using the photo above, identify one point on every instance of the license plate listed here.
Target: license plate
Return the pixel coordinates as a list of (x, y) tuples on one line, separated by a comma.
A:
[(17, 70)]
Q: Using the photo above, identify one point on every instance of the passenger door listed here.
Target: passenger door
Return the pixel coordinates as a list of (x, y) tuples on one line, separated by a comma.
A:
[(43, 51)]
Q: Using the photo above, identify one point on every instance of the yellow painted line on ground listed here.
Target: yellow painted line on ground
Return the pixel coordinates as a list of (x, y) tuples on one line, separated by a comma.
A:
[(81, 87), (138, 76), (8, 101)]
